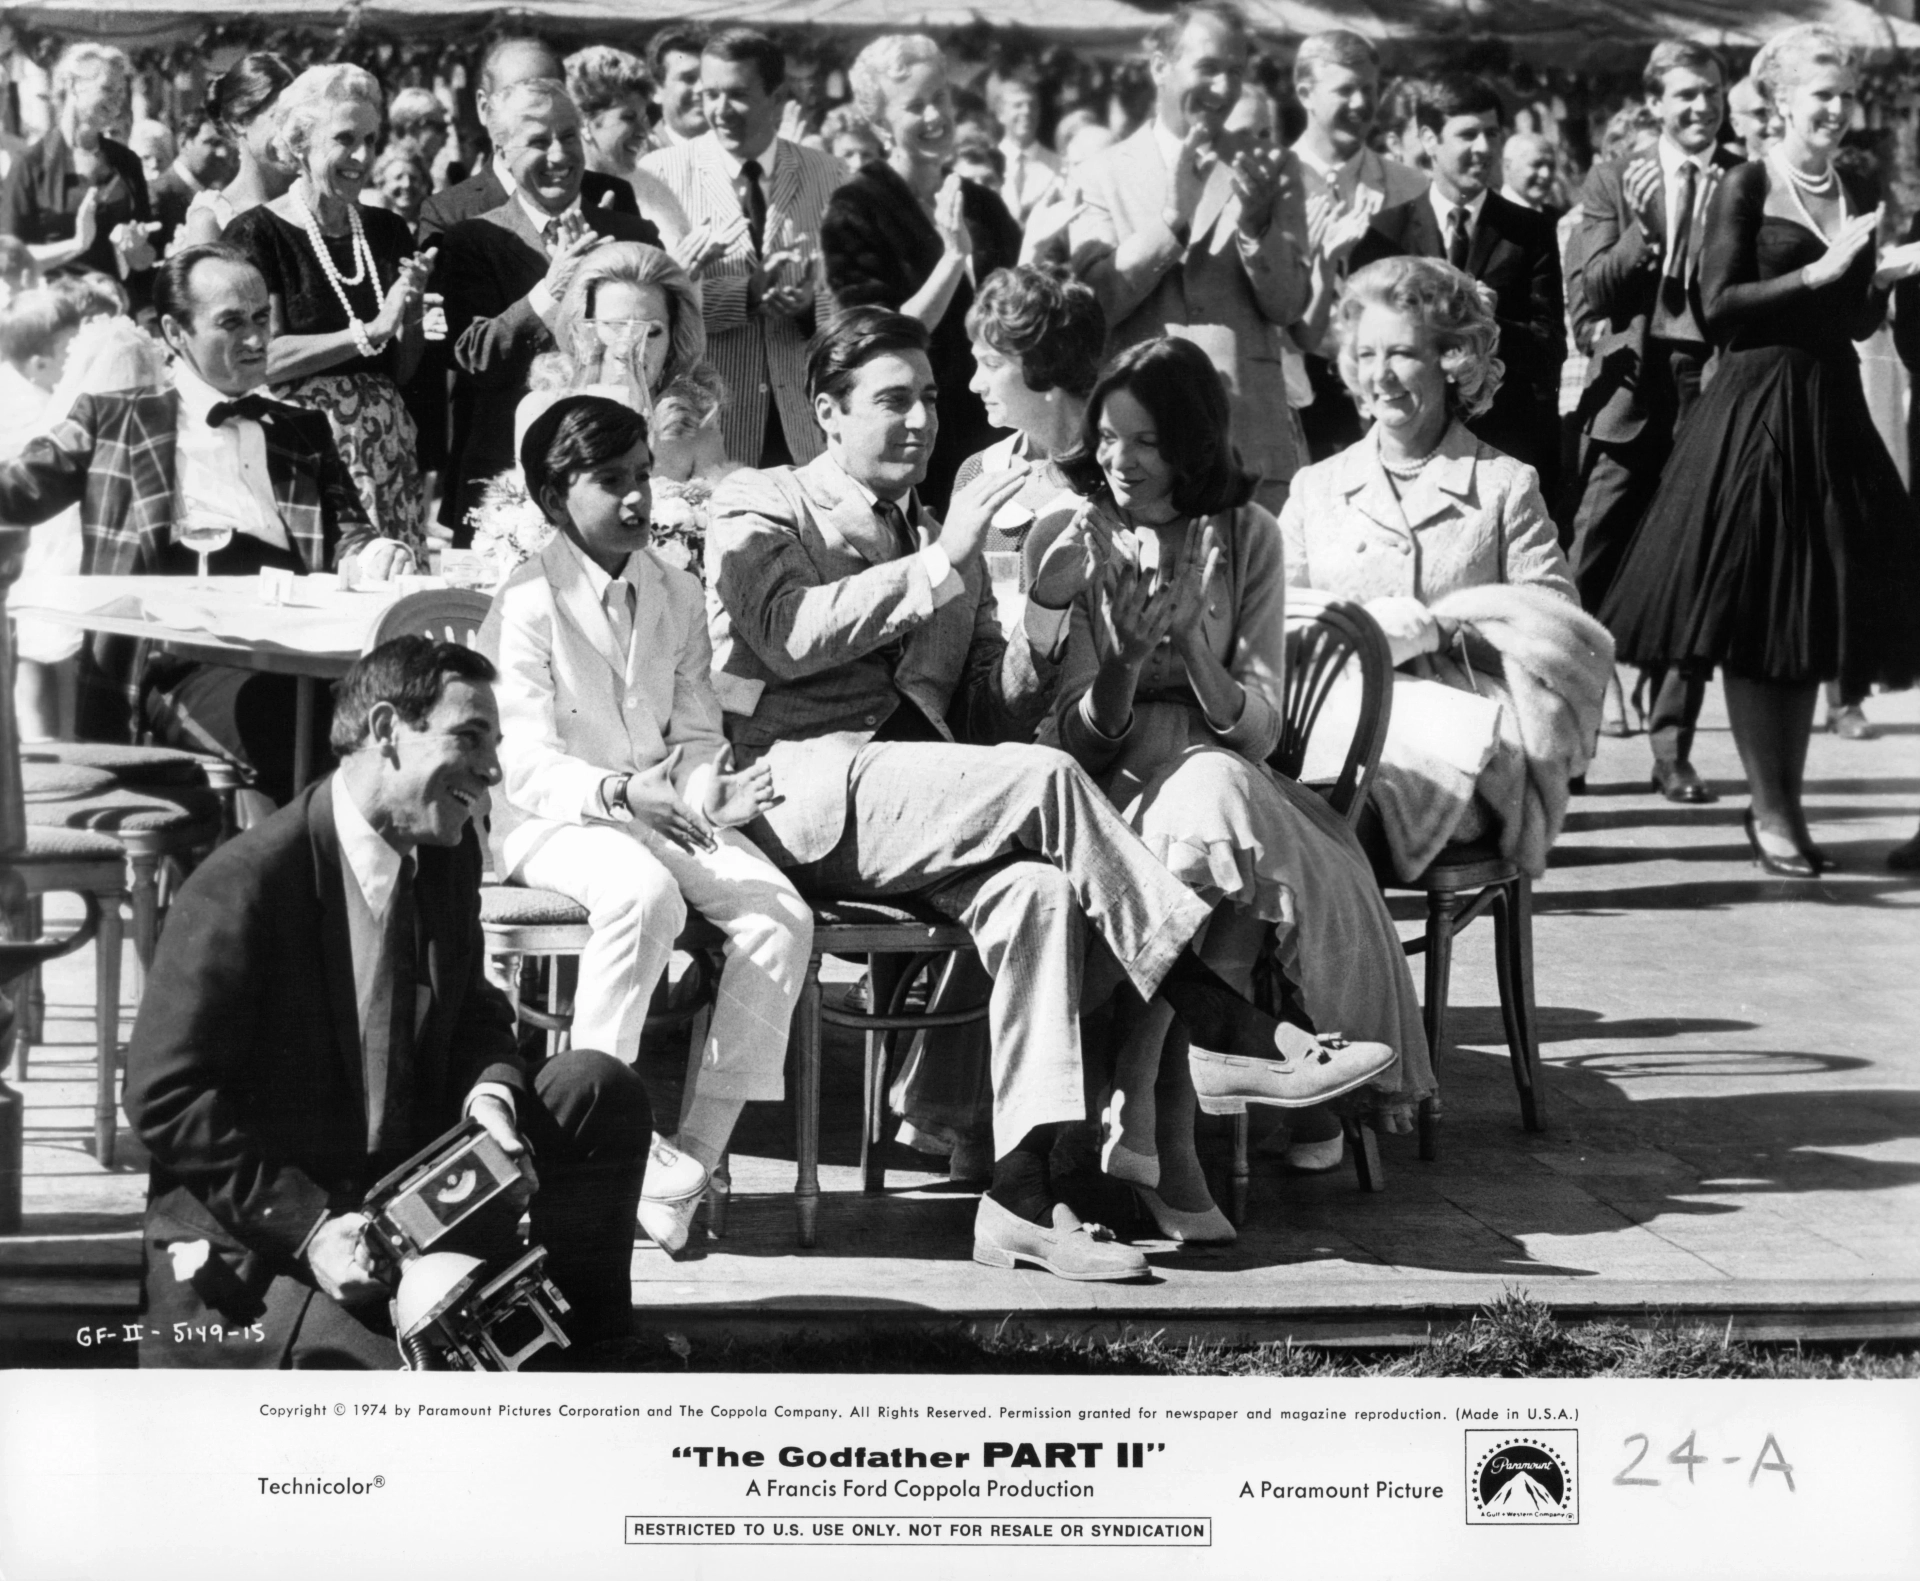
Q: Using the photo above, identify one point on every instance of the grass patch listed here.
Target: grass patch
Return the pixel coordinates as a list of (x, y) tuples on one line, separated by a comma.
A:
[(1513, 1337)]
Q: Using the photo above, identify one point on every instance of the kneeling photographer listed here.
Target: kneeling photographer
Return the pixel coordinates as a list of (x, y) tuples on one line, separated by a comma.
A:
[(318, 1015)]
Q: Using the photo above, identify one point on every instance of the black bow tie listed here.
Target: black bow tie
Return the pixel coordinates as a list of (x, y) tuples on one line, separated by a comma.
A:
[(256, 407)]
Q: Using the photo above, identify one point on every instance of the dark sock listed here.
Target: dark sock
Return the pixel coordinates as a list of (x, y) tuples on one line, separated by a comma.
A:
[(1216, 1017), (1020, 1183)]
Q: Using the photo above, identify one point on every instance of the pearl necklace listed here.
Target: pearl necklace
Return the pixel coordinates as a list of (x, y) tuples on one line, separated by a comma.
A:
[(1408, 469), (1798, 186), (364, 267)]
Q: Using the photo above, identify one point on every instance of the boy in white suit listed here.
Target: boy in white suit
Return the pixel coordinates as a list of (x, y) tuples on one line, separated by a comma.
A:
[(619, 791)]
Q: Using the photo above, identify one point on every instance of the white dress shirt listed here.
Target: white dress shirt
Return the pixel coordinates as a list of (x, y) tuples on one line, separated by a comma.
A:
[(369, 874), (1672, 157), (1443, 208), (222, 471)]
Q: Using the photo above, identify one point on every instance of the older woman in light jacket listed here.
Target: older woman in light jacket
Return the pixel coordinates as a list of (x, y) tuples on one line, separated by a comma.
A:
[(1448, 544)]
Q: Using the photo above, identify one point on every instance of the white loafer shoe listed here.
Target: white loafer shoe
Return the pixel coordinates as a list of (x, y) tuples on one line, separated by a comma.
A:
[(672, 1174), (1305, 1070), (668, 1224), (1070, 1249)]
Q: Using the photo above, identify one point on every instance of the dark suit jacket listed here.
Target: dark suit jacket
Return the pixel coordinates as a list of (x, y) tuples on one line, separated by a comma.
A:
[(486, 268), (244, 1075), (481, 193), (1611, 265), (468, 199), (113, 457), (1516, 255)]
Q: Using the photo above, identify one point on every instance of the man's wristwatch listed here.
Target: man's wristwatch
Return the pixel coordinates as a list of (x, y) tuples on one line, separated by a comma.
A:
[(613, 797)]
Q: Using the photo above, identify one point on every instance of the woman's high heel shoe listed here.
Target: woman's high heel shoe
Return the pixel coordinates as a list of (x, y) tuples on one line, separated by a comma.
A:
[(1208, 1228), (1119, 1160), (1795, 866)]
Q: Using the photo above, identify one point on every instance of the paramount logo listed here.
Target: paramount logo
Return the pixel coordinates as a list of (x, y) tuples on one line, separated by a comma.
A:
[(1524, 1479)]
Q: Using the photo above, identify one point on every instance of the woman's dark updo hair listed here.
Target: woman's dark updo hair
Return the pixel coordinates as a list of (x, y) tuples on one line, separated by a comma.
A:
[(1182, 391), (575, 435), (247, 87), (1051, 324)]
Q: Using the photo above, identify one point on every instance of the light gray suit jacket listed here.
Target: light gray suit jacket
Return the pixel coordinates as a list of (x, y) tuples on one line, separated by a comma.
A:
[(761, 359), (1231, 296), (807, 596)]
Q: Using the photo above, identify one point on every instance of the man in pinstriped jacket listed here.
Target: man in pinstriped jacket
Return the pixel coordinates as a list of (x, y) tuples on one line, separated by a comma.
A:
[(765, 196)]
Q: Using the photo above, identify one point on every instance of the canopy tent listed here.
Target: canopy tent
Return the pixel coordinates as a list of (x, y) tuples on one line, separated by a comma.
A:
[(1572, 33)]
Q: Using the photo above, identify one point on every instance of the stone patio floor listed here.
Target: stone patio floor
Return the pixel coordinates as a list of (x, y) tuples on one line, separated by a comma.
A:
[(1732, 1079)]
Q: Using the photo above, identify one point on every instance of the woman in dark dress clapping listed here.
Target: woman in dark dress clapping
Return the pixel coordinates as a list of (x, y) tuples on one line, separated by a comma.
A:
[(906, 234), (1782, 546)]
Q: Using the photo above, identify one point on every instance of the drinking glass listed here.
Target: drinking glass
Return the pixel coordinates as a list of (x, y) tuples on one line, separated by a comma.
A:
[(204, 533)]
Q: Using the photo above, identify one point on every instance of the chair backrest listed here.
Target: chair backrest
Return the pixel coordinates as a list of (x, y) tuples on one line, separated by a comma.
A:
[(446, 614), (1320, 643)]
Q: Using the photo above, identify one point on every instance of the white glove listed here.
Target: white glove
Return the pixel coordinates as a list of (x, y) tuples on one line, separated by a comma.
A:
[(1410, 627)]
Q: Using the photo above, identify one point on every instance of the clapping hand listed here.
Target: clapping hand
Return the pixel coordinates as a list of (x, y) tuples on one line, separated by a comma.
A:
[(574, 240), (1855, 234), (1072, 562), (1644, 187), (950, 220), (1132, 616), (86, 219), (972, 510), (739, 796), (1192, 585), (655, 803), (1897, 264), (1334, 228), (1260, 180), (406, 298), (705, 243), (1190, 171)]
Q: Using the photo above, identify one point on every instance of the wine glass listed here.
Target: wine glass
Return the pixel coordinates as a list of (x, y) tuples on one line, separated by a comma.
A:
[(204, 533)]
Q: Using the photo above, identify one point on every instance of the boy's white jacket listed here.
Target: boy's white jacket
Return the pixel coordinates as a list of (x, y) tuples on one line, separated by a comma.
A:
[(573, 710)]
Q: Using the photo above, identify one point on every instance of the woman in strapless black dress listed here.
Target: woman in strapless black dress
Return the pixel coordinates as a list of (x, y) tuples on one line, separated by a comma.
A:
[(1782, 545)]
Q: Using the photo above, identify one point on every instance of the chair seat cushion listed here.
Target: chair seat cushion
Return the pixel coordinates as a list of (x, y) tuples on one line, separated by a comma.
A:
[(521, 906), (516, 905), (184, 809), (67, 845), (129, 764), (63, 781)]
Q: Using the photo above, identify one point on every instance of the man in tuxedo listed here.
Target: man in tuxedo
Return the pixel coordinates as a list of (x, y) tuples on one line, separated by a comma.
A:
[(504, 275), (1336, 78), (319, 1011), (135, 462), (766, 197), (1509, 249), (1207, 234), (206, 161), (858, 653), (1636, 259)]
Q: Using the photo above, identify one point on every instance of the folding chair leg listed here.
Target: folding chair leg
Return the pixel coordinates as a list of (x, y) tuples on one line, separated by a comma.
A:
[(1365, 1147), (106, 1017), (806, 1106), (1513, 963), (1442, 907), (33, 998)]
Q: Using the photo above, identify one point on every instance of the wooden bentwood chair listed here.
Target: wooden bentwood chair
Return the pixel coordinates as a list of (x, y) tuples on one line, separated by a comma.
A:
[(1321, 641)]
